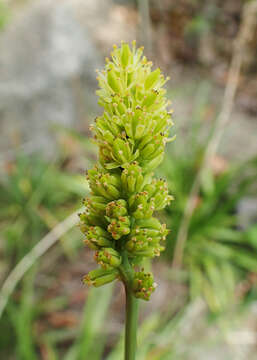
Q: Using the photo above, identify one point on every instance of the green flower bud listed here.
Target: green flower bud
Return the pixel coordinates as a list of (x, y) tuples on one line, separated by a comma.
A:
[(139, 248), (152, 79), (116, 214), (108, 257), (151, 148), (145, 237), (150, 251), (116, 208), (158, 192), (122, 153), (132, 179), (141, 206), (97, 237), (114, 82), (104, 184), (99, 277), (151, 224), (88, 219), (95, 204), (119, 227), (125, 55), (143, 285)]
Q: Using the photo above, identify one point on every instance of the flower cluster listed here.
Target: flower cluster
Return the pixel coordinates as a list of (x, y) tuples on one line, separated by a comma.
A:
[(131, 135)]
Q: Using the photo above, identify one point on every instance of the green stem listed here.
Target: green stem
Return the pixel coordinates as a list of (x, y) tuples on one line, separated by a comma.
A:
[(131, 325)]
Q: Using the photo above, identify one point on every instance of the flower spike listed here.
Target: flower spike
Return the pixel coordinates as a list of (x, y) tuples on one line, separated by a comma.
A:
[(131, 135)]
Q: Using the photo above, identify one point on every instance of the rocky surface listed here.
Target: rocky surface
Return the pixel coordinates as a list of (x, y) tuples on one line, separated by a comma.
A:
[(47, 63)]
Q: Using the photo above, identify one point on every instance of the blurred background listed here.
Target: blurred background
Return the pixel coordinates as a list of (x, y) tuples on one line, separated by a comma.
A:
[(206, 303)]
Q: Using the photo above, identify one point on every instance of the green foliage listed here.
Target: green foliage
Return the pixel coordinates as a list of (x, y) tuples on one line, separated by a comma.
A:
[(23, 317), (34, 195), (218, 254), (91, 331)]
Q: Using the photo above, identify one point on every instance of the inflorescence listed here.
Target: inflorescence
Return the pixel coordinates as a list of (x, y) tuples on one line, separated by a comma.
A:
[(131, 135)]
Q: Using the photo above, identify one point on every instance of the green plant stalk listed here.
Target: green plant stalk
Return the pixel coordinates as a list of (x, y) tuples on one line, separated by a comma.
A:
[(131, 325), (131, 309)]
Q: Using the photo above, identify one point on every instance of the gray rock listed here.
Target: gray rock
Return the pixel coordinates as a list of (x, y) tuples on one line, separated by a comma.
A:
[(247, 212), (47, 63)]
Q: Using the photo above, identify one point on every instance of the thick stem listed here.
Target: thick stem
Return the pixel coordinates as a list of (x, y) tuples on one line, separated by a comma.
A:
[(131, 325)]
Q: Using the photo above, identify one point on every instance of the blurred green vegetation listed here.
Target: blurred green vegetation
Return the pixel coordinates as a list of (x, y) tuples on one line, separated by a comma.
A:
[(220, 254), (4, 14), (35, 195)]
